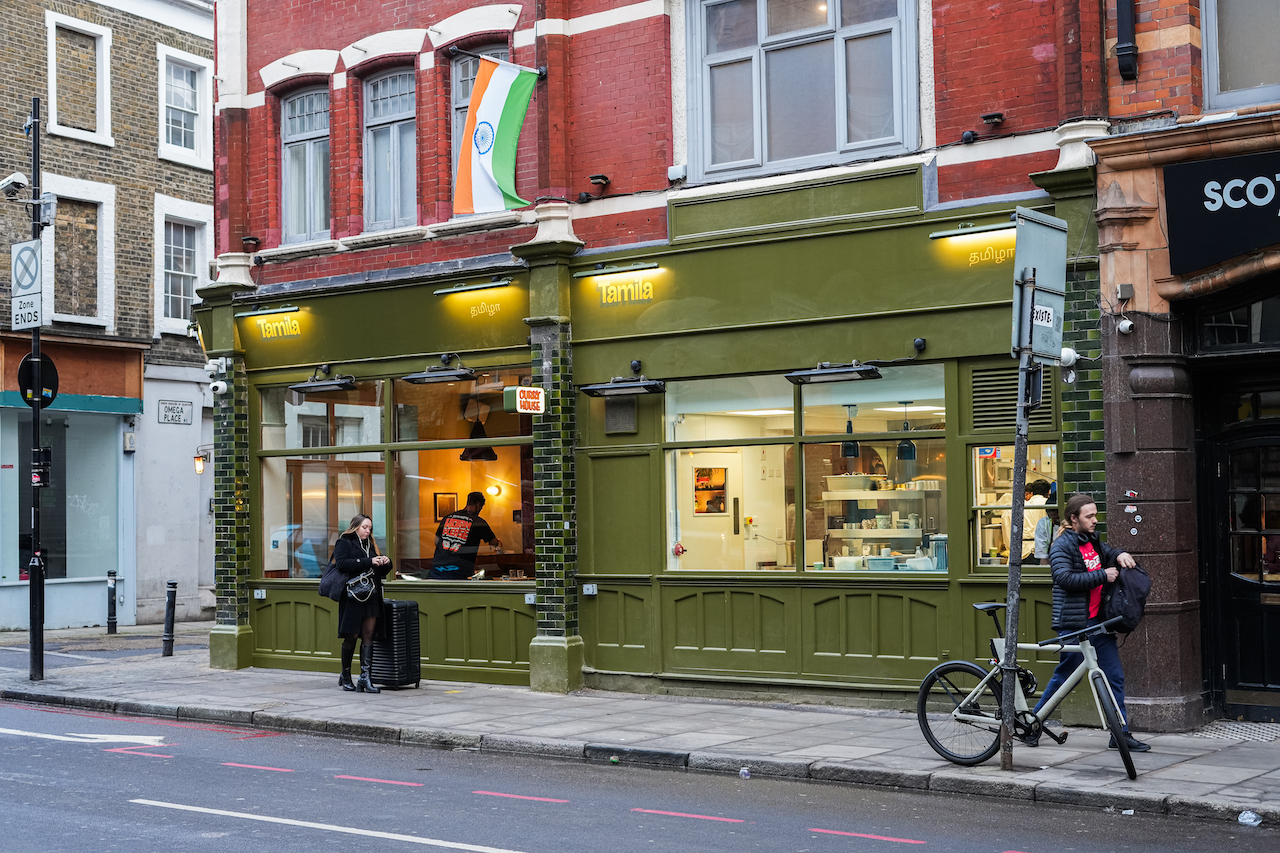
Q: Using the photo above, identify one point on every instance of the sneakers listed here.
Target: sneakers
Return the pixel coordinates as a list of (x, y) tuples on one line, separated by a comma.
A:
[(1133, 743)]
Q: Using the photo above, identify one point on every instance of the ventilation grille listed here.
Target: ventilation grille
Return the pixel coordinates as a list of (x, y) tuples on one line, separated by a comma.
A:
[(994, 400), (619, 415)]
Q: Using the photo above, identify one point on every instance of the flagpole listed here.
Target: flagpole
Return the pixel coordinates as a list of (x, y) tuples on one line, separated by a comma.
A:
[(457, 51)]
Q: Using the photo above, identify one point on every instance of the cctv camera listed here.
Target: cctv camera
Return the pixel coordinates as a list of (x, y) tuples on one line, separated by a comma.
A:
[(1125, 326), (14, 184), (219, 387)]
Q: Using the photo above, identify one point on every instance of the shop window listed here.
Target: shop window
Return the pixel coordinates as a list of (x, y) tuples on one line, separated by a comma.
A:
[(184, 244), (79, 79), (308, 501), (457, 411), (390, 178), (742, 407), (431, 484), (464, 71), (1253, 325), (1241, 64), (782, 84), (186, 107), (993, 501), (327, 419), (1254, 484), (305, 197), (910, 395)]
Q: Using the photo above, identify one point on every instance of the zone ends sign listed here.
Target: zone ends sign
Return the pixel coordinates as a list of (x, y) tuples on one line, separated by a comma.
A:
[(524, 400)]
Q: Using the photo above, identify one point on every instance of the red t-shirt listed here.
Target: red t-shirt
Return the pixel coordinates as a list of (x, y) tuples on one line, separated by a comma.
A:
[(1093, 563)]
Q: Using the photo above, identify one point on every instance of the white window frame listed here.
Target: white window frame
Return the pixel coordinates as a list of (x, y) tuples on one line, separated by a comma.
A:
[(393, 123), (459, 105), (102, 35), (103, 195), (309, 139), (906, 96), (202, 156), (170, 209), (1213, 96)]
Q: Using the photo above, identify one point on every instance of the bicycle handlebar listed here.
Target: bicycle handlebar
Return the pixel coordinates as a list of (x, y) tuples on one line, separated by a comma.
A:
[(1100, 628)]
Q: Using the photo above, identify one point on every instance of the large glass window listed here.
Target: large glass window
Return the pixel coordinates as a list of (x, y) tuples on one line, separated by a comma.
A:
[(1241, 64), (864, 489), (446, 411), (305, 198), (1254, 483), (993, 503), (390, 178), (781, 83), (327, 419)]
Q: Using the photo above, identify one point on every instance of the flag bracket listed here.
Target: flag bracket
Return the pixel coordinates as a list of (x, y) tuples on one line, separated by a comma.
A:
[(454, 50)]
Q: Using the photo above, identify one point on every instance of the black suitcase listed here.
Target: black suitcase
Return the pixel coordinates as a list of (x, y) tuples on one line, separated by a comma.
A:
[(397, 660)]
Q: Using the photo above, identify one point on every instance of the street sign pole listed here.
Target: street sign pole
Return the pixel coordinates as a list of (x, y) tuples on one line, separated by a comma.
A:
[(35, 571), (1039, 296)]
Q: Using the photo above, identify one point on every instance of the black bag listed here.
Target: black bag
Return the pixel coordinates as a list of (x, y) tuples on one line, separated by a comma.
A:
[(361, 586), (332, 582), (1127, 598)]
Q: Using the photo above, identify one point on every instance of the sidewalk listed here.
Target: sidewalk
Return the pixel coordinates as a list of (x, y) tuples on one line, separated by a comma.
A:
[(1216, 772)]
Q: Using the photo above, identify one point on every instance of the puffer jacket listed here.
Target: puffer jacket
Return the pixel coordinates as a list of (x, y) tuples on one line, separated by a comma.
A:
[(1072, 581)]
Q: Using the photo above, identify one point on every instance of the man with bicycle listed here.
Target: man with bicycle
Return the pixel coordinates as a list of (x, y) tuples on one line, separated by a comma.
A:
[(1082, 565)]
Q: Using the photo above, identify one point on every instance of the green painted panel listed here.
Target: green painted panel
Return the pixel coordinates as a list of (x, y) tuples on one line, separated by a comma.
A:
[(615, 629), (923, 630), (730, 630), (385, 323), (621, 514), (808, 204), (891, 626), (686, 624), (861, 634), (301, 627)]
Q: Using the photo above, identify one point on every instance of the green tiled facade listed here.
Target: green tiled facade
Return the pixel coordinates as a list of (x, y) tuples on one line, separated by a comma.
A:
[(231, 496), (1083, 441)]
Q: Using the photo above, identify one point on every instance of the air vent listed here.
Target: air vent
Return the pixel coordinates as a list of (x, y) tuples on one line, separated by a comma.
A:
[(619, 415), (994, 400)]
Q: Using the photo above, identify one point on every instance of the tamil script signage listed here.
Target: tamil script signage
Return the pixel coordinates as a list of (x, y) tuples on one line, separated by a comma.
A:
[(1219, 209)]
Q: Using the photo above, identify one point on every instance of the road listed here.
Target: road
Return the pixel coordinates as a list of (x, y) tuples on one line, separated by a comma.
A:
[(73, 781)]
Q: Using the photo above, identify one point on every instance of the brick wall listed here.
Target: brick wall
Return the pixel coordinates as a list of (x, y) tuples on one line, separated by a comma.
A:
[(1169, 73), (75, 260), (1083, 439), (77, 79)]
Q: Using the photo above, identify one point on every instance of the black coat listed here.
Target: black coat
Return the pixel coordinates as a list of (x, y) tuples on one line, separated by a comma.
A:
[(1072, 581), (350, 559)]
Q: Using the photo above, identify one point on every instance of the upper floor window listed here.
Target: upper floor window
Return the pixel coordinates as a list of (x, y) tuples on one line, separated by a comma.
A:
[(390, 178), (465, 69), (184, 245), (783, 84), (185, 107), (1241, 64), (305, 199), (79, 74)]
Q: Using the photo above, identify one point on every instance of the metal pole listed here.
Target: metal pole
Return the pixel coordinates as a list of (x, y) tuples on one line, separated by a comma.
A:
[(170, 604), (111, 601), (1009, 664), (35, 570)]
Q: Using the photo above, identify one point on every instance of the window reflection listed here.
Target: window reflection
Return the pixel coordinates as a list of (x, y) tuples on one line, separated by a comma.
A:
[(1255, 513), (993, 500), (459, 410), (326, 419)]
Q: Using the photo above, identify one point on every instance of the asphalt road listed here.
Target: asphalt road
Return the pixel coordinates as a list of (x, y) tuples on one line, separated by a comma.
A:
[(74, 781)]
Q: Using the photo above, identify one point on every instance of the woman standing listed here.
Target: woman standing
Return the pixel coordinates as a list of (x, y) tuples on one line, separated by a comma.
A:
[(354, 554)]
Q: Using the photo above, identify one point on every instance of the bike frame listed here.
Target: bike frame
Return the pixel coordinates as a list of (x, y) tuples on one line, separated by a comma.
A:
[(1088, 665)]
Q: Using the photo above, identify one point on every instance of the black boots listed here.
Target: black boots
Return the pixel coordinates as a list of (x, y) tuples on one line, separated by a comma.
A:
[(348, 650), (364, 684)]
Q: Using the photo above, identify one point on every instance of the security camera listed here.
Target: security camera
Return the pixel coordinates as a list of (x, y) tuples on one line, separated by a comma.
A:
[(1125, 326), (14, 184), (218, 387)]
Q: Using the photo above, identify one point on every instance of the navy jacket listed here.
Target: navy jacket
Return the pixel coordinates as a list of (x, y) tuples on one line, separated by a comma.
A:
[(1072, 582)]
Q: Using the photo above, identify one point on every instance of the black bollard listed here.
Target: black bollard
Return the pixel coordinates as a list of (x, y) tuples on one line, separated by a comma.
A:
[(170, 604), (111, 601)]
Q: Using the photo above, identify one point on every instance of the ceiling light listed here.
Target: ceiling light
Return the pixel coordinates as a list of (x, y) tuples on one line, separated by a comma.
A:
[(905, 409), (763, 413)]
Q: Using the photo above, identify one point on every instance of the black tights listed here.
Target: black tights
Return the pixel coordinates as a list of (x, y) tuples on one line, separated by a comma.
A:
[(366, 637)]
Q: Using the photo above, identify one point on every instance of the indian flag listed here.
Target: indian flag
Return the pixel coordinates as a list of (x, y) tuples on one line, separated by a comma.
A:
[(487, 161)]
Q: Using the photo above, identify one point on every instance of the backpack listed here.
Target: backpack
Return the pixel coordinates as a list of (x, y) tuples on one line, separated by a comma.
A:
[(1127, 599), (332, 582)]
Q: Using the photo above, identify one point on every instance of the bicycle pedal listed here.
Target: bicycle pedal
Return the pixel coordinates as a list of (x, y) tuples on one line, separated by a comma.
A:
[(1059, 739)]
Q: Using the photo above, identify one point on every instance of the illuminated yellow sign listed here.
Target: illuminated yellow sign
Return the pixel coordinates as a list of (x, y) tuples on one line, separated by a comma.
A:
[(278, 327), (632, 292), (986, 248), (485, 309)]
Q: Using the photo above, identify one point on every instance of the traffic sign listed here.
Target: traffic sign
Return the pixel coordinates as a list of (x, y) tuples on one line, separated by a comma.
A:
[(28, 282), (48, 378), (1039, 254)]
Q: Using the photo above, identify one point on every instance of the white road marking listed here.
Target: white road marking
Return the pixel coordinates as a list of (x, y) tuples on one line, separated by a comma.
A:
[(72, 737), (349, 830), (27, 651)]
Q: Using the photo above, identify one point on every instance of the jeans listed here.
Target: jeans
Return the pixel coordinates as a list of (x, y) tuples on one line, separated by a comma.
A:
[(1104, 646), (449, 573)]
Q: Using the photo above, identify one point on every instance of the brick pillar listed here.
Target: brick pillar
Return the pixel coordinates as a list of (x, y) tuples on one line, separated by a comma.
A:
[(556, 653), (1083, 436), (230, 642)]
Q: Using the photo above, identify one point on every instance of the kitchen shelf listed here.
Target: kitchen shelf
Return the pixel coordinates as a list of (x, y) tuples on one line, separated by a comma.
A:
[(900, 533), (880, 495)]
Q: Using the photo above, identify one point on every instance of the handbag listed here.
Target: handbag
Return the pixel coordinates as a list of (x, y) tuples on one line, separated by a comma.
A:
[(361, 586), (331, 582)]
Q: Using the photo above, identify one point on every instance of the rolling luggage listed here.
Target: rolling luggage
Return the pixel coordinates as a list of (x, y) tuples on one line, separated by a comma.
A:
[(397, 660)]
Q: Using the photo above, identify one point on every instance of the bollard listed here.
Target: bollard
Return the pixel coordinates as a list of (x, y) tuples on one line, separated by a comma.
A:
[(170, 604), (111, 601)]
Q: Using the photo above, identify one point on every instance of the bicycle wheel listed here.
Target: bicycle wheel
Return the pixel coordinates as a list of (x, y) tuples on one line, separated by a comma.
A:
[(1111, 714), (942, 692)]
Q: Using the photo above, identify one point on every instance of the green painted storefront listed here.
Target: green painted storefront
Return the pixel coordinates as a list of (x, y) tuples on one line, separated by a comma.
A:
[(752, 283)]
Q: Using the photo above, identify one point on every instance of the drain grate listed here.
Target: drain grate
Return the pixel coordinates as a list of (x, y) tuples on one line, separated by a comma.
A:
[(1230, 730)]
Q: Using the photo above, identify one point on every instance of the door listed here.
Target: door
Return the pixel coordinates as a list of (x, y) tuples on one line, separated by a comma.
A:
[(709, 506), (1245, 570)]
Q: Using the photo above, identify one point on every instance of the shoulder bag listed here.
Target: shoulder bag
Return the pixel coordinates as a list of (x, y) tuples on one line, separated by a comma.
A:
[(361, 586), (331, 582)]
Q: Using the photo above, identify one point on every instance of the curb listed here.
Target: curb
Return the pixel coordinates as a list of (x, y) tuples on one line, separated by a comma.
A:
[(945, 781)]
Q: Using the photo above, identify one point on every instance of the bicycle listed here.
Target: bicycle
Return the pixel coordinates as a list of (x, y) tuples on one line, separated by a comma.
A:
[(968, 733)]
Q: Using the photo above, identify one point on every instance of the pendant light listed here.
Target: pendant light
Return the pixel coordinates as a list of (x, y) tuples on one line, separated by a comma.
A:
[(906, 447), (849, 449)]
